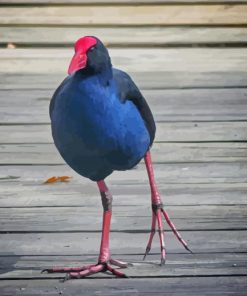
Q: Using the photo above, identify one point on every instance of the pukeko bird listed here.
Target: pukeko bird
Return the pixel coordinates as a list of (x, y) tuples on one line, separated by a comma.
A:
[(100, 123)]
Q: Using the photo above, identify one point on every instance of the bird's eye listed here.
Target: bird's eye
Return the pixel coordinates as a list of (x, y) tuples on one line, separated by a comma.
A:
[(92, 48)]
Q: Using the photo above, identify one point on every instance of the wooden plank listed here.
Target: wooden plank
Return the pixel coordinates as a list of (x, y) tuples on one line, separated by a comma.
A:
[(19, 191), (129, 2), (30, 133), (166, 105), (198, 152), (125, 219), (177, 173), (114, 2), (188, 286), (176, 260), (162, 153), (149, 36), (140, 269), (203, 104), (199, 60), (145, 80), (24, 244), (166, 132), (133, 60), (190, 184), (229, 14)]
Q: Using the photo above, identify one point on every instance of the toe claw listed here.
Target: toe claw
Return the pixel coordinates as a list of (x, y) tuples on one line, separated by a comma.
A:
[(162, 261), (66, 278), (189, 250), (146, 253)]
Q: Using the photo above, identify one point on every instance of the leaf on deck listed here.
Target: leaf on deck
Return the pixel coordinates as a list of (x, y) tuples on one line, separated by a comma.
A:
[(57, 179)]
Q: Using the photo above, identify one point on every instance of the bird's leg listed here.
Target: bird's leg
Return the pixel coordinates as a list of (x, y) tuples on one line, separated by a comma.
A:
[(157, 212), (106, 198), (104, 254)]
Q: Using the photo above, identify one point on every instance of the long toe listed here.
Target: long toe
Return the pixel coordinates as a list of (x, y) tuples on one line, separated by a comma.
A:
[(119, 263), (87, 270), (66, 269), (161, 237), (101, 267), (157, 219), (151, 236), (173, 228), (116, 272)]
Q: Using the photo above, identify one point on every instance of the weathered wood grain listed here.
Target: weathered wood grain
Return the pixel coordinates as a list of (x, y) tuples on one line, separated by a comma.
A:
[(116, 2), (176, 260), (186, 60), (125, 15), (166, 132), (179, 185), (200, 132), (176, 173), (88, 243), (30, 133), (142, 269), (145, 80), (182, 286), (125, 219), (117, 36), (162, 153), (166, 105), (198, 152), (27, 192), (188, 286)]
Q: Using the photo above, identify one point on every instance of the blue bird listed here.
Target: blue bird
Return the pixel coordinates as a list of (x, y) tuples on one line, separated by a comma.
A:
[(101, 123)]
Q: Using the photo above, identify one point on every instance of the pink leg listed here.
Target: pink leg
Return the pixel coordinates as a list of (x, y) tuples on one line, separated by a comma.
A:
[(104, 254), (158, 210)]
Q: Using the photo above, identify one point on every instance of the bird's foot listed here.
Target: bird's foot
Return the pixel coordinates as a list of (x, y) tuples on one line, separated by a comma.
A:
[(158, 211), (84, 271)]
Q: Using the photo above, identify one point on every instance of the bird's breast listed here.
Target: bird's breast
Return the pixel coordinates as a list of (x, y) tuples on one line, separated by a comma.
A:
[(90, 119)]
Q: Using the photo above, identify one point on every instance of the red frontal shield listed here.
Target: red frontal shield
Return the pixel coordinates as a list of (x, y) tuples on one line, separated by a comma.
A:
[(79, 60)]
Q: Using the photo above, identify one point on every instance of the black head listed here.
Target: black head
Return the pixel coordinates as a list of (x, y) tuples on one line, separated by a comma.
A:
[(90, 55)]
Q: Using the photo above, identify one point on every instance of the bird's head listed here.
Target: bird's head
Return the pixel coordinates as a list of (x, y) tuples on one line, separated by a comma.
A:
[(91, 55)]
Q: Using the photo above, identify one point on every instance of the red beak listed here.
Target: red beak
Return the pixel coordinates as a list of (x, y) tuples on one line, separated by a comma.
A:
[(79, 61)]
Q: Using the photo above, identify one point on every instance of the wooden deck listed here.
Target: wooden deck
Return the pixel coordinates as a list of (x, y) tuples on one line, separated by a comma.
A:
[(190, 60)]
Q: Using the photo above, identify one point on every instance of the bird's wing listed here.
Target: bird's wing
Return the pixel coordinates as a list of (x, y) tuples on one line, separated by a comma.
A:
[(127, 90), (53, 99)]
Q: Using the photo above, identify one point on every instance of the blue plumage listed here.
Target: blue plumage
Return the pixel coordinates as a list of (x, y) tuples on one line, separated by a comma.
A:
[(100, 121), (93, 130)]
